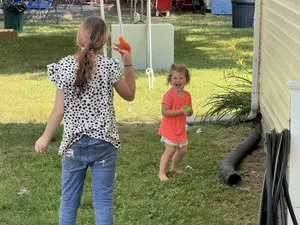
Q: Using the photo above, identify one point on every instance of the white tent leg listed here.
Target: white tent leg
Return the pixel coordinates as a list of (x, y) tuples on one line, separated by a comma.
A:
[(122, 34), (103, 17)]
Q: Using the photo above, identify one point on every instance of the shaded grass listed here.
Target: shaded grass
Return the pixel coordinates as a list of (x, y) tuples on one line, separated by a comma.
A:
[(195, 197)]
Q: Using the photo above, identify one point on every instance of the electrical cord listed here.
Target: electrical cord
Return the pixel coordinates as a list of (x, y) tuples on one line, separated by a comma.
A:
[(275, 188)]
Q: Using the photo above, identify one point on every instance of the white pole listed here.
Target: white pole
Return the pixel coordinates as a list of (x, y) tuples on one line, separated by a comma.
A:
[(135, 2), (103, 17), (120, 17), (149, 70), (122, 34), (131, 11), (149, 34), (142, 10)]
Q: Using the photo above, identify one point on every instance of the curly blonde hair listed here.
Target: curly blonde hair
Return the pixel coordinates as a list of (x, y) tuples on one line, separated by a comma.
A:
[(180, 69), (91, 38)]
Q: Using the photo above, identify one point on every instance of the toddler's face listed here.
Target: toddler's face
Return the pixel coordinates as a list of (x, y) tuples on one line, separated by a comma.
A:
[(178, 81)]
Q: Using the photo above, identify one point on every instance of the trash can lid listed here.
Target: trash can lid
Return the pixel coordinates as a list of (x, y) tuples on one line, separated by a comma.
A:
[(243, 2), (18, 7)]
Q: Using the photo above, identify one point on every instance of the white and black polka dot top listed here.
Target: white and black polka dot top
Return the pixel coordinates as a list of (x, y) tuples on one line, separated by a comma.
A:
[(91, 113)]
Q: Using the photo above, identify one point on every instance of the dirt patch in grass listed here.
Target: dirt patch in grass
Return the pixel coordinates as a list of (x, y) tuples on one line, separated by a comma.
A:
[(252, 169)]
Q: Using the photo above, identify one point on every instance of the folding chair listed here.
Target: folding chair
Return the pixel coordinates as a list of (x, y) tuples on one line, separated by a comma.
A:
[(198, 5), (41, 10), (69, 3)]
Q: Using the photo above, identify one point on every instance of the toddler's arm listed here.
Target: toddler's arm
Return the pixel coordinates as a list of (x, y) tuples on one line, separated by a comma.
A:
[(166, 111)]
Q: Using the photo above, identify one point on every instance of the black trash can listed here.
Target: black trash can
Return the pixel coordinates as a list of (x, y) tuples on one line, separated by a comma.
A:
[(242, 13), (13, 15)]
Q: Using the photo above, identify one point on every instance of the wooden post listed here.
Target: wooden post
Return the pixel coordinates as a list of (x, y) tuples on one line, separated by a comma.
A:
[(294, 160)]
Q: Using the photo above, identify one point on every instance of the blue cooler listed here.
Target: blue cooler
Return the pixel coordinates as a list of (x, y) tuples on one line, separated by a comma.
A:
[(221, 7)]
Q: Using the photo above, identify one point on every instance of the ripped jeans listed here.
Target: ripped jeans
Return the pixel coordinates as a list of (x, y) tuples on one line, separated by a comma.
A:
[(101, 157)]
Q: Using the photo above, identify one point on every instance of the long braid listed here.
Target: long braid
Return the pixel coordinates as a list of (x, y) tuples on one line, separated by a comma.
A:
[(90, 37)]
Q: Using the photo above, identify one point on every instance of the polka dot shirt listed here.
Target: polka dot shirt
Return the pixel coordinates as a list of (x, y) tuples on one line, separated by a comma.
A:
[(91, 113)]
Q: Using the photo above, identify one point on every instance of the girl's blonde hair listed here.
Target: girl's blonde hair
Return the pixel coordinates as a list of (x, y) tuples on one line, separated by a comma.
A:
[(180, 69), (91, 37)]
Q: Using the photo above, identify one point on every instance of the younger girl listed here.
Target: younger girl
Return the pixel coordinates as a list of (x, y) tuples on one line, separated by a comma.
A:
[(176, 106), (85, 85)]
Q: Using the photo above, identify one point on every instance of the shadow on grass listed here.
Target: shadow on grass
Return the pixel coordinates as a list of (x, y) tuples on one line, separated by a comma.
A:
[(207, 48), (23, 134), (195, 197), (201, 42), (30, 54)]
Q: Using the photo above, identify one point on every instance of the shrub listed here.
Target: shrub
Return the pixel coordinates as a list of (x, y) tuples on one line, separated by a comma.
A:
[(234, 100)]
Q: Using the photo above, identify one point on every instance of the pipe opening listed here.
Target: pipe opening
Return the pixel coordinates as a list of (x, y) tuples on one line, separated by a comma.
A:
[(234, 179)]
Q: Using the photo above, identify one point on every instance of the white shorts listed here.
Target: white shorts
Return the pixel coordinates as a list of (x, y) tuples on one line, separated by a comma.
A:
[(165, 140)]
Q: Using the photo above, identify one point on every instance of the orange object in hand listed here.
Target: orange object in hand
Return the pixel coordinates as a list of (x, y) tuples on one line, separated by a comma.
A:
[(124, 45)]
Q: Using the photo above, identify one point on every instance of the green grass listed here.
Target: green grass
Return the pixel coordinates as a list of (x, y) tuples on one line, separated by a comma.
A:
[(201, 43), (197, 197)]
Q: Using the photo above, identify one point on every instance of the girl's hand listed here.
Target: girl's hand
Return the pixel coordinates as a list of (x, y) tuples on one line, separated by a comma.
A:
[(125, 55), (41, 144)]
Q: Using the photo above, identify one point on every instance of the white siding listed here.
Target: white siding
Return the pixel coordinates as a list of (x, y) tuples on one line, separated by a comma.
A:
[(279, 59)]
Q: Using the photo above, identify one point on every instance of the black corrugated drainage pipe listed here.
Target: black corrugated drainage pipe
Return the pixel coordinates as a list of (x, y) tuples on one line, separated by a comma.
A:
[(235, 156)]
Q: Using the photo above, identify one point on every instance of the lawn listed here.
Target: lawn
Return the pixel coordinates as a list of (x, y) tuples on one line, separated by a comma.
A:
[(201, 43), (197, 197)]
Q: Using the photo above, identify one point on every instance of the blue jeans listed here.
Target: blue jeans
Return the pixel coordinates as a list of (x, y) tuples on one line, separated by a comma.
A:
[(101, 156)]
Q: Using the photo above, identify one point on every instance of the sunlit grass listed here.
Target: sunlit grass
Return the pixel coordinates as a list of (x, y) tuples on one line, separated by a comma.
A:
[(29, 97), (201, 43)]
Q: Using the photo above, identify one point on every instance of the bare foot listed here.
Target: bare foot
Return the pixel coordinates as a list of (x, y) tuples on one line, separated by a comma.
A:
[(177, 171), (163, 177)]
